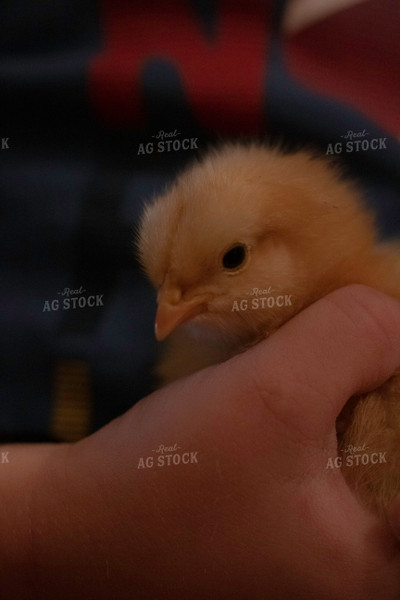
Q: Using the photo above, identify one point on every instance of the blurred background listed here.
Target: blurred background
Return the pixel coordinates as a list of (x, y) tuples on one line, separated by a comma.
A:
[(103, 102)]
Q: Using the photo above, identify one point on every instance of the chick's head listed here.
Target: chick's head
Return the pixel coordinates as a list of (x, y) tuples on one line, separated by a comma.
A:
[(245, 222)]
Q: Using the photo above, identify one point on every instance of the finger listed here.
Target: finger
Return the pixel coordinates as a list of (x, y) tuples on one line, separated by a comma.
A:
[(344, 344)]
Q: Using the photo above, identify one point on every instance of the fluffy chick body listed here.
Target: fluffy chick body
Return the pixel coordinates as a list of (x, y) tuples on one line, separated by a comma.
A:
[(305, 232)]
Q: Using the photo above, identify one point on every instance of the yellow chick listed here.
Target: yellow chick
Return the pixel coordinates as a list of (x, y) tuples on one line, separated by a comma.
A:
[(242, 241)]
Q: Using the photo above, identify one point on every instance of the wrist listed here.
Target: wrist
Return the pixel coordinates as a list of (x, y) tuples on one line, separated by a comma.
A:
[(25, 484)]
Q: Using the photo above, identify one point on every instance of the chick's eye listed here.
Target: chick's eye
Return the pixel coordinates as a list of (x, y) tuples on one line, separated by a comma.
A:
[(234, 257)]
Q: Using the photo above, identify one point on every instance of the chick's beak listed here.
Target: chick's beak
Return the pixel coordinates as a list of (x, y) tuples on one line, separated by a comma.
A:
[(173, 310)]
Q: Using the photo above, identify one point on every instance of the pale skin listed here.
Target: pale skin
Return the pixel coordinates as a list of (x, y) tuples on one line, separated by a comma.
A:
[(258, 516)]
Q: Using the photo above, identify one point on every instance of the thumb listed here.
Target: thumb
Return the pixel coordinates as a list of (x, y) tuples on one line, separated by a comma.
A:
[(344, 344)]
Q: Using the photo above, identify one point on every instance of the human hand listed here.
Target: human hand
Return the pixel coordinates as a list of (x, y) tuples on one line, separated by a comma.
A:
[(257, 515)]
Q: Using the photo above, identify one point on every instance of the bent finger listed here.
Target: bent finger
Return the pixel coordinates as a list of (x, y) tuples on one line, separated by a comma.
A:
[(344, 344)]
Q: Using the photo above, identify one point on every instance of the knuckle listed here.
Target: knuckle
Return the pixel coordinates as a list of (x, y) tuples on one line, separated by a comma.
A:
[(375, 317)]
